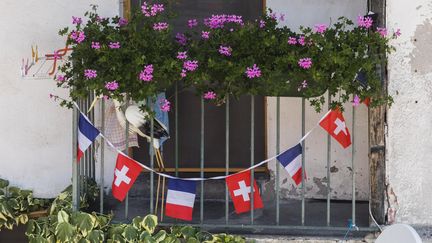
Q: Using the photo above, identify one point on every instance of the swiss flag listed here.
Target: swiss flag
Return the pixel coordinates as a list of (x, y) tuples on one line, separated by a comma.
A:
[(240, 191), (125, 174), (334, 124)]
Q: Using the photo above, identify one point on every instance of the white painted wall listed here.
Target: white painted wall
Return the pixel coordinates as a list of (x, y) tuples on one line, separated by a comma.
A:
[(35, 137), (308, 13), (409, 147)]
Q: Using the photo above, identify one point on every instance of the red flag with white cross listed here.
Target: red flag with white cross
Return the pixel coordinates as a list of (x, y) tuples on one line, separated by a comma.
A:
[(240, 191), (334, 124), (125, 174)]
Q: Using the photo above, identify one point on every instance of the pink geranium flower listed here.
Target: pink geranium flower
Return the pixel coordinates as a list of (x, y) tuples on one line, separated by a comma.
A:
[(356, 100), (76, 20), (303, 85), (113, 85), (205, 34), (292, 40), (305, 63), (146, 75), (95, 45), (253, 72), (190, 65), (365, 22), (320, 28), (192, 23), (165, 105), (225, 50), (114, 45), (90, 73), (382, 31), (209, 95), (122, 22), (78, 36), (160, 26), (181, 55)]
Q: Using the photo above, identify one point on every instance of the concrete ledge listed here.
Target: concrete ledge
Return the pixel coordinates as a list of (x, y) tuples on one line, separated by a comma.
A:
[(279, 239)]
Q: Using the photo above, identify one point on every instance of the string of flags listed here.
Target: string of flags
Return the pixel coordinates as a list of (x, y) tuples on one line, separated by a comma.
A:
[(182, 191)]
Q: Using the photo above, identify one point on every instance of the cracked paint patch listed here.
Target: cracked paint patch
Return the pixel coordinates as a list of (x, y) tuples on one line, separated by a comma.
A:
[(392, 205), (334, 169), (321, 184), (420, 59)]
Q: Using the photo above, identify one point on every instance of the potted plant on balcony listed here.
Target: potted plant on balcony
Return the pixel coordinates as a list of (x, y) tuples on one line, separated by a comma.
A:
[(260, 58), (223, 56)]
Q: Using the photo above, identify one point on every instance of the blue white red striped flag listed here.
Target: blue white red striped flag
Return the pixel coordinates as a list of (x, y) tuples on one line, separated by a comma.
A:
[(180, 199), (87, 133), (291, 160)]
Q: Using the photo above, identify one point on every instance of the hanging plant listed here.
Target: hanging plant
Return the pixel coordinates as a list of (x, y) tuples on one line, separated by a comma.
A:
[(237, 57), (116, 57), (223, 55)]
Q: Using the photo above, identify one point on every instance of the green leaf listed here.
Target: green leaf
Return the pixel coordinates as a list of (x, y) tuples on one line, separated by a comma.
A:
[(3, 183), (85, 223), (96, 236), (23, 218), (149, 223), (204, 236), (14, 191), (62, 216), (146, 237), (118, 239), (64, 232), (171, 239), (32, 228), (188, 231), (192, 240), (38, 239), (130, 233), (116, 230), (160, 236), (137, 221)]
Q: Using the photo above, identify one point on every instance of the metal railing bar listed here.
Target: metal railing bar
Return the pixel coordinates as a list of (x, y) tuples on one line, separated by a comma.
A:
[(303, 184), (152, 154), (75, 164), (328, 167), (202, 162), (86, 153), (93, 161), (82, 163), (276, 162), (252, 156), (227, 150), (102, 158), (126, 152), (353, 167), (79, 171), (176, 140)]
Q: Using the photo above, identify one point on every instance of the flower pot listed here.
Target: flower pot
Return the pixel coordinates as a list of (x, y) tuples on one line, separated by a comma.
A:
[(38, 214)]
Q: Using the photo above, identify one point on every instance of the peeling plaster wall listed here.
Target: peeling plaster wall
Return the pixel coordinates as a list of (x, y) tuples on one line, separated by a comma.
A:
[(409, 157), (35, 137), (309, 13)]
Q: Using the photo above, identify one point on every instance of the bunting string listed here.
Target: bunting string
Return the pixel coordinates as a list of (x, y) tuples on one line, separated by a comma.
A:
[(196, 178)]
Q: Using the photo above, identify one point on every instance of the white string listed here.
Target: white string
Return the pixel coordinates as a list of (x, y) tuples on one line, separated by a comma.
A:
[(196, 178)]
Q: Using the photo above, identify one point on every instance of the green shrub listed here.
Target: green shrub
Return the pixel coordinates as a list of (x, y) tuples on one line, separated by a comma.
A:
[(85, 227), (16, 204)]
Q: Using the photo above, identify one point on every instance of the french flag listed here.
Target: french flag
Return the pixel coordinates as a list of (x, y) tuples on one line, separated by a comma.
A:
[(291, 160), (180, 199), (87, 133)]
